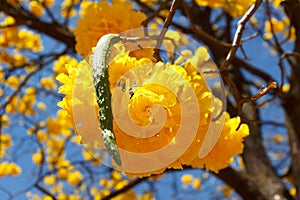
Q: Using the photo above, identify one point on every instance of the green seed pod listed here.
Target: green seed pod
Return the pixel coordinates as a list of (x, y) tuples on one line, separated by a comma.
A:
[(100, 64)]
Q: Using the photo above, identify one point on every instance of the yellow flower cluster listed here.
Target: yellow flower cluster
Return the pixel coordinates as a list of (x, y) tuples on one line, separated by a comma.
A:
[(37, 158), (101, 18), (11, 36), (65, 170), (4, 120), (5, 143), (68, 81), (9, 169), (60, 125), (276, 3), (279, 27), (59, 65), (48, 83), (24, 104), (15, 60), (149, 94), (115, 183), (68, 8), (189, 179), (54, 135), (36, 8), (235, 8)]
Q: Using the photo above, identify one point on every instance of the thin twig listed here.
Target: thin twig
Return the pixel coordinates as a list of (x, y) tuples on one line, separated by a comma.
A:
[(259, 94), (153, 15), (163, 32), (280, 64), (45, 191), (186, 10)]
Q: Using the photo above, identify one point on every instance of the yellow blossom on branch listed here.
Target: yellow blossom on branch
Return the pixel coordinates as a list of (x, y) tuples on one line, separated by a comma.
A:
[(149, 94), (49, 179), (37, 157), (275, 26), (74, 178), (5, 141), (101, 18), (36, 8)]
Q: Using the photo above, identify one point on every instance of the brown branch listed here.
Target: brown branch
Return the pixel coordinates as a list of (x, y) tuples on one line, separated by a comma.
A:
[(154, 14), (163, 32), (291, 100), (268, 12), (259, 94), (239, 33), (280, 64), (197, 31), (43, 190), (241, 182), (125, 188)]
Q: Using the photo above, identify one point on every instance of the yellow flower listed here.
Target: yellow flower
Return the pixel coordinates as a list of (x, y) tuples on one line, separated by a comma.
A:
[(187, 179), (286, 88), (62, 196), (197, 184), (235, 8), (63, 173), (41, 105), (60, 125), (276, 3), (13, 81), (228, 145), (48, 83), (155, 87), (146, 196), (177, 39), (65, 8), (5, 141), (74, 178), (120, 184), (25, 105), (279, 27), (122, 64), (226, 191), (49, 179), (47, 3), (293, 191), (4, 120), (102, 18), (9, 168), (41, 136), (37, 158), (116, 175), (87, 155), (59, 65), (36, 8), (278, 138), (29, 40)]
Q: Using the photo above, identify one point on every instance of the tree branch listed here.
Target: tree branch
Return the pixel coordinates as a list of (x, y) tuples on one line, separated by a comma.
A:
[(239, 33), (125, 188), (54, 30)]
